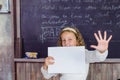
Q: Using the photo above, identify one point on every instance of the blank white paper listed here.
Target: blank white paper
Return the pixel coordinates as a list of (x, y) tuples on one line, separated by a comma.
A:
[(67, 59)]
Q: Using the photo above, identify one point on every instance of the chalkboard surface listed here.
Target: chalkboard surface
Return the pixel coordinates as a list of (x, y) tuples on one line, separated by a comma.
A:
[(42, 20)]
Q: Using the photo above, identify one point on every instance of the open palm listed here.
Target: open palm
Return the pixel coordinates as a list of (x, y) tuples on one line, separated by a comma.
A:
[(103, 42)]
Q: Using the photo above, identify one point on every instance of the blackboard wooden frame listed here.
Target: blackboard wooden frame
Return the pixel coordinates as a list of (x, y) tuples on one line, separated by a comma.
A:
[(18, 22)]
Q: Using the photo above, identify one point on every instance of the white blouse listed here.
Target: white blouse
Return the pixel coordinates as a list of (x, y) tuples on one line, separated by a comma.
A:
[(91, 57)]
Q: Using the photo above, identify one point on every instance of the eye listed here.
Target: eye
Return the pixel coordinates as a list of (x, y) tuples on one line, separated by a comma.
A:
[(63, 40)]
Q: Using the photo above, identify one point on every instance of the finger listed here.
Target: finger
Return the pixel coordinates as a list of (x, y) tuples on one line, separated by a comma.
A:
[(100, 35), (51, 60), (105, 34), (50, 57), (93, 46), (96, 37), (109, 38)]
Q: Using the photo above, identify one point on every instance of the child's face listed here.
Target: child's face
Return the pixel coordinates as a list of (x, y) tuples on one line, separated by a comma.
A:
[(68, 39)]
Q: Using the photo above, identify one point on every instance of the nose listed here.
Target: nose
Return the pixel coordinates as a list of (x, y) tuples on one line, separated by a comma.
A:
[(67, 43)]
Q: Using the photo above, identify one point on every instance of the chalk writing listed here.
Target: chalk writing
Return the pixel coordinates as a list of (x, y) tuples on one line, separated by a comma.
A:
[(110, 7), (49, 7), (47, 17), (58, 19), (48, 33), (91, 8), (51, 21)]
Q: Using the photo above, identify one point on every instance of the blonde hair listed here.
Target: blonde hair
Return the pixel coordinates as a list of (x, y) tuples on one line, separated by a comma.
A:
[(77, 34)]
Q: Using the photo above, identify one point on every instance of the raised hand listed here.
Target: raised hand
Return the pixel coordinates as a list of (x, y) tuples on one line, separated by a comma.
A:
[(103, 43)]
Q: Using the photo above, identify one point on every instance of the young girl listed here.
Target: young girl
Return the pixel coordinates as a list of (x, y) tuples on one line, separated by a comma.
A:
[(70, 36)]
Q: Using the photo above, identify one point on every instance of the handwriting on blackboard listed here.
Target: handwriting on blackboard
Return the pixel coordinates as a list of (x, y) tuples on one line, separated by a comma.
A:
[(48, 32), (82, 13), (48, 17)]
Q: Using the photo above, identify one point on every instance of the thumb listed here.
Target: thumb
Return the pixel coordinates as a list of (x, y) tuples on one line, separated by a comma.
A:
[(93, 46)]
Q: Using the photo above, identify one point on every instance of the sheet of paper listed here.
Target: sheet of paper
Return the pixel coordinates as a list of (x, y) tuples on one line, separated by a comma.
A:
[(67, 59)]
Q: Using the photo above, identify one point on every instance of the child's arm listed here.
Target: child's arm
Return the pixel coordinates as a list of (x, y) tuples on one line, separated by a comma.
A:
[(95, 56), (101, 51), (46, 74), (44, 69)]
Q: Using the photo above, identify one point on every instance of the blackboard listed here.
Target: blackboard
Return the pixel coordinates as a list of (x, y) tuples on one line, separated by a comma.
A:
[(41, 21)]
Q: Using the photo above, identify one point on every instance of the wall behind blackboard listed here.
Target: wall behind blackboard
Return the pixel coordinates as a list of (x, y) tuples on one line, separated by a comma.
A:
[(41, 21)]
